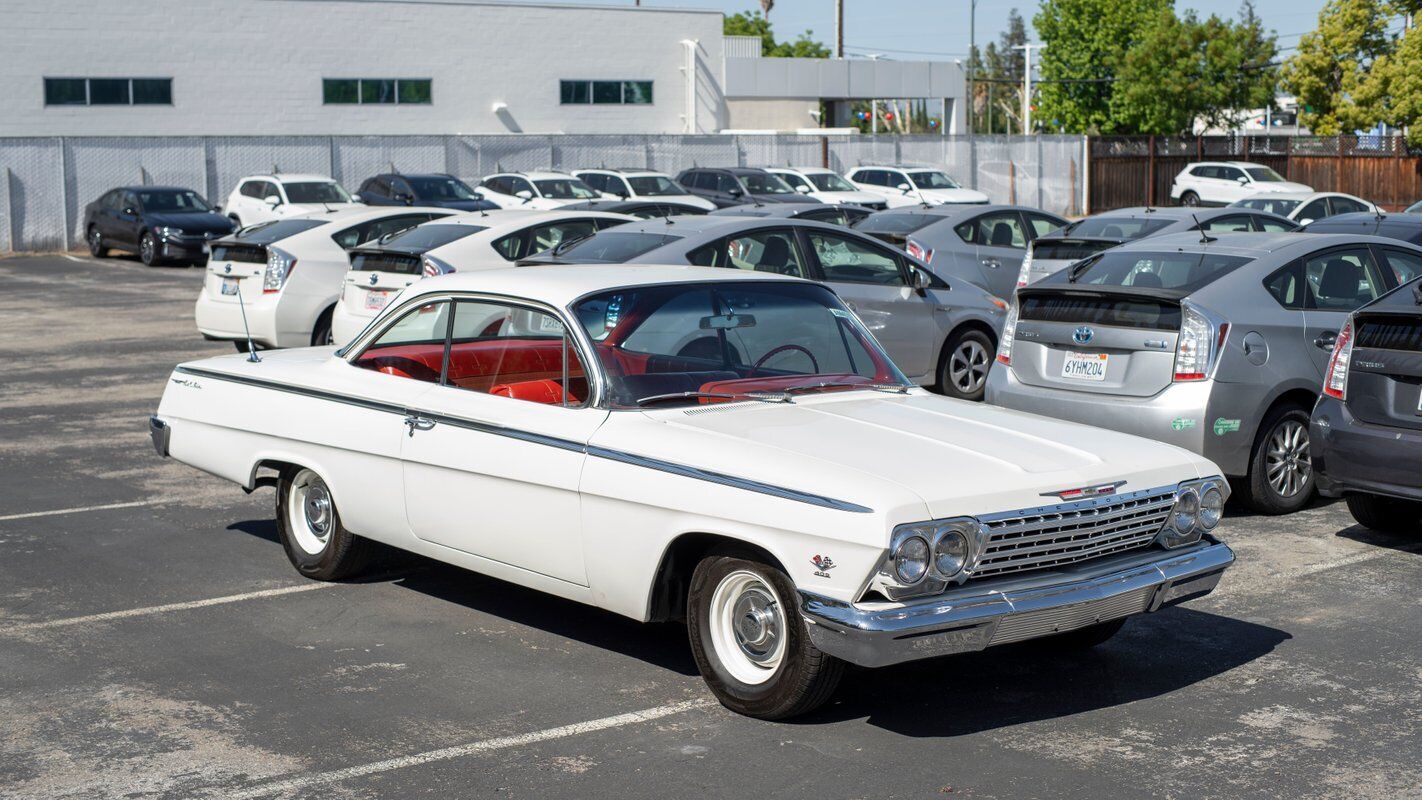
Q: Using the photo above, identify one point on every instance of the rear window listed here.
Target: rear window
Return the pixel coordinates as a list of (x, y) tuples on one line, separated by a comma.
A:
[(896, 223), (316, 192), (1274, 205), (1180, 273), (269, 232), (1384, 333), (614, 247), (428, 237), (1117, 311), (1116, 227)]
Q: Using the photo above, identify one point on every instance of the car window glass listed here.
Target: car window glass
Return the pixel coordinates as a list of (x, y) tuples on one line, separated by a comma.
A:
[(833, 216), (376, 229), (1271, 225), (1042, 225), (130, 201), (1001, 230), (1405, 266), (706, 255), (511, 247), (764, 251), (726, 183), (1347, 205), (1287, 287), (1231, 173), (846, 259), (794, 180), (1203, 172), (547, 237), (517, 185), (511, 351), (411, 348), (252, 189), (1234, 223), (595, 181), (967, 231), (1341, 280), (1318, 209), (400, 186)]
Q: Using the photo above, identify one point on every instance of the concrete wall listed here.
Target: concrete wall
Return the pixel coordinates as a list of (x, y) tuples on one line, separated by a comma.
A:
[(771, 114), (254, 67)]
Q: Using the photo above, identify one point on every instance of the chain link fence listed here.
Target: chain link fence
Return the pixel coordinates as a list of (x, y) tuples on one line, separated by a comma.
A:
[(48, 181)]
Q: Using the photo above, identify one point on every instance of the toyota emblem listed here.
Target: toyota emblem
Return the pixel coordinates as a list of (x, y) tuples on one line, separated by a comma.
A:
[(374, 279), (1083, 335), (227, 268)]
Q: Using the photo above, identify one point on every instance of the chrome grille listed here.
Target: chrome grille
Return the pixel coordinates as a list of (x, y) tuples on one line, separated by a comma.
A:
[(1032, 624), (1052, 536)]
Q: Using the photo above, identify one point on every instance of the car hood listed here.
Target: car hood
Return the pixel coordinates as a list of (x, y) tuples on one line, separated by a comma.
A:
[(953, 195), (957, 458), (200, 222), (1283, 186)]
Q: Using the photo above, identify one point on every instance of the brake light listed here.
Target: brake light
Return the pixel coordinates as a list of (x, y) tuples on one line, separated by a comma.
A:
[(919, 252), (1024, 276), (279, 266), (1335, 381), (1201, 341), (1009, 332)]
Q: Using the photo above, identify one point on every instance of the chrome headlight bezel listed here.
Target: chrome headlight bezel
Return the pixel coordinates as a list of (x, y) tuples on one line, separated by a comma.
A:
[(1174, 533), (934, 532)]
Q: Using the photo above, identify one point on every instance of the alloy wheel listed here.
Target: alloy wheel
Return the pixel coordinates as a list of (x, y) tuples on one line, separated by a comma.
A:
[(968, 367), (1288, 462), (146, 249)]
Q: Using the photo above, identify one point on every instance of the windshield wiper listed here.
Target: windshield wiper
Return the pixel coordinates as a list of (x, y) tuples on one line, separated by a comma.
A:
[(759, 397), (877, 387), (1079, 268)]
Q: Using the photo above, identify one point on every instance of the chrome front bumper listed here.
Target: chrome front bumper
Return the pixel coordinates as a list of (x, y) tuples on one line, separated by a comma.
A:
[(977, 617)]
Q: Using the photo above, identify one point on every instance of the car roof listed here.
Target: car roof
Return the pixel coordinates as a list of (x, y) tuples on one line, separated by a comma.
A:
[(362, 212), (146, 188), (805, 170), (292, 177), (1406, 298), (560, 285), (772, 209), (1301, 196), (689, 225), (954, 210), (517, 217), (413, 175), (534, 174), (620, 170), (1253, 245), (1368, 218)]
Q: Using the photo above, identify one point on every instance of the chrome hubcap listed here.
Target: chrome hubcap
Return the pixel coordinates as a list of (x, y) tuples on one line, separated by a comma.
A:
[(747, 627), (147, 245), (1290, 468), (311, 513), (317, 507), (968, 366), (757, 625)]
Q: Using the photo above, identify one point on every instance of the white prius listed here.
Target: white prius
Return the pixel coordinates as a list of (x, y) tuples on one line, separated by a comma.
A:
[(735, 451)]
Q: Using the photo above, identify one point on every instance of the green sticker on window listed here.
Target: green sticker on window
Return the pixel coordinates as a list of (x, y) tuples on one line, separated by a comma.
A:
[(1183, 424), (1223, 426)]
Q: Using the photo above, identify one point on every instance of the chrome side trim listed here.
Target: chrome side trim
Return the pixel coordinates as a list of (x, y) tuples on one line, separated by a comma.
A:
[(159, 432), (540, 439)]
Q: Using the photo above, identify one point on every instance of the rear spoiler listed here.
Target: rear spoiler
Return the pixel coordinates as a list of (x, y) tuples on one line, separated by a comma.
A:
[(1051, 287)]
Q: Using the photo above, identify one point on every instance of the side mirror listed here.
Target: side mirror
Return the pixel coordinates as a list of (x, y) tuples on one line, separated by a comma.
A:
[(737, 192), (904, 187), (525, 194), (130, 211), (1303, 222), (802, 189), (1242, 180), (922, 281), (272, 200), (407, 199)]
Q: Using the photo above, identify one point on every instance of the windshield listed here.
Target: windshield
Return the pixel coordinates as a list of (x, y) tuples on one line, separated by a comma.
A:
[(654, 186), (1177, 272), (182, 201), (268, 232), (1264, 175), (1415, 208), (428, 237), (1273, 206), (830, 182), (441, 189), (613, 247), (316, 192), (932, 180), (765, 183), (1114, 227), (896, 223), (565, 189), (692, 343)]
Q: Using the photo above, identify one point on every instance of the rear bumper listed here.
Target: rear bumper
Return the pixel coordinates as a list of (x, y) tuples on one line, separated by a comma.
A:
[(976, 617), (1350, 455), (159, 432)]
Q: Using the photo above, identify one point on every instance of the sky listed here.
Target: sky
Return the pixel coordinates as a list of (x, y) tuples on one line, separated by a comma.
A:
[(938, 29)]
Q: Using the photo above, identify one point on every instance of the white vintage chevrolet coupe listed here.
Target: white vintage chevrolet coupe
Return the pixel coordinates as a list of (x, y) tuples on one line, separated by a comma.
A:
[(732, 449)]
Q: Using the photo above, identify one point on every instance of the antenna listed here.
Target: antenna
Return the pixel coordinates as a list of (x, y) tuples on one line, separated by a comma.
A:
[(252, 357), (276, 170), (1205, 237)]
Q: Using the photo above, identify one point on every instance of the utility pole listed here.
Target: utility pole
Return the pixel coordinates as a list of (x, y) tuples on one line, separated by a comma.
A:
[(839, 28), (972, 51), (1027, 85)]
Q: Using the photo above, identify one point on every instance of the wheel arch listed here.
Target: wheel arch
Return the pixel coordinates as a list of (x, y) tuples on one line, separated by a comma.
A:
[(970, 324), (667, 600)]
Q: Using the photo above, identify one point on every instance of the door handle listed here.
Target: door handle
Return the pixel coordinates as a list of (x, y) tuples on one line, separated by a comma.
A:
[(992, 262), (1326, 340), (415, 423)]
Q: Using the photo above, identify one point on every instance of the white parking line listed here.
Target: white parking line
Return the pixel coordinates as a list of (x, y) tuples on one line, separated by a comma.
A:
[(470, 749), (81, 509), (163, 609), (1345, 561), (78, 259)]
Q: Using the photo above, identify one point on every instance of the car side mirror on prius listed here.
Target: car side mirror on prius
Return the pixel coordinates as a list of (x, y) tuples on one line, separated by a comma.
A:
[(272, 200), (920, 280)]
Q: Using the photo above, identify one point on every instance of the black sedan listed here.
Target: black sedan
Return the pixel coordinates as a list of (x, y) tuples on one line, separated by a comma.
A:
[(1366, 433), (436, 189), (1405, 227), (159, 223), (729, 186)]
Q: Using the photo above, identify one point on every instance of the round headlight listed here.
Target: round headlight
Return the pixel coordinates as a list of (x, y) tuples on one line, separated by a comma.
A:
[(1186, 512), (911, 560), (950, 553), (1211, 507)]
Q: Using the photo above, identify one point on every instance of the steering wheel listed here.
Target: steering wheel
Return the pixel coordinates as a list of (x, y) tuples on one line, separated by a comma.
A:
[(782, 348)]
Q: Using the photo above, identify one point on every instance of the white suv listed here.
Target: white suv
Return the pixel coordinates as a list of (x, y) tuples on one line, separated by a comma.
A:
[(638, 184), (535, 190), (1223, 182), (285, 276), (263, 198), (902, 186), (827, 186)]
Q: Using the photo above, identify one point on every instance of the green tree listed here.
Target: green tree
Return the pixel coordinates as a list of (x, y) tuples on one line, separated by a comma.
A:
[(997, 90), (754, 23), (1086, 43), (1329, 72), (1392, 91), (1240, 64)]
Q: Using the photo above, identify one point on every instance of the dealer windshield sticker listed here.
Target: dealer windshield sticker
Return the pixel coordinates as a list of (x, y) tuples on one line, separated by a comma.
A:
[(1223, 426), (1183, 424)]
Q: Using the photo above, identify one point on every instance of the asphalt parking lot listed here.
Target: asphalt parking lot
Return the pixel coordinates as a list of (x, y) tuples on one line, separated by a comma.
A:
[(154, 642)]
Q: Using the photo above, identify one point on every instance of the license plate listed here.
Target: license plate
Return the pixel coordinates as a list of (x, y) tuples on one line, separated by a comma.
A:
[(376, 300), (230, 286), (1085, 366), (549, 324)]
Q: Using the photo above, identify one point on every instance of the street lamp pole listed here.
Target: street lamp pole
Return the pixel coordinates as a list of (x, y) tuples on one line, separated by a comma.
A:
[(972, 52)]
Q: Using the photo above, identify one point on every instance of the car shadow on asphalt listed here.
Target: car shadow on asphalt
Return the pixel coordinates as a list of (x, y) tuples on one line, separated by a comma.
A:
[(1401, 542), (1153, 655)]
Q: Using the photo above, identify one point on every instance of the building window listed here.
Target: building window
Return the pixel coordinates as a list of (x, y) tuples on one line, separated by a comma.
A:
[(606, 92), (377, 91), (108, 91)]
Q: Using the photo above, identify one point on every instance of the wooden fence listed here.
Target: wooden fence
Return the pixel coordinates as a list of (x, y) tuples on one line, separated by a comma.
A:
[(1138, 170)]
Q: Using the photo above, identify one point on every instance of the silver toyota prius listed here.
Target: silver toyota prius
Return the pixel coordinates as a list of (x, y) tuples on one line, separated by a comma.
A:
[(1214, 342)]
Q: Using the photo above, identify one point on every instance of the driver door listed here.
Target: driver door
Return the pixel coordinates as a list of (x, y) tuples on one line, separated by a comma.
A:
[(1001, 246), (494, 452)]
